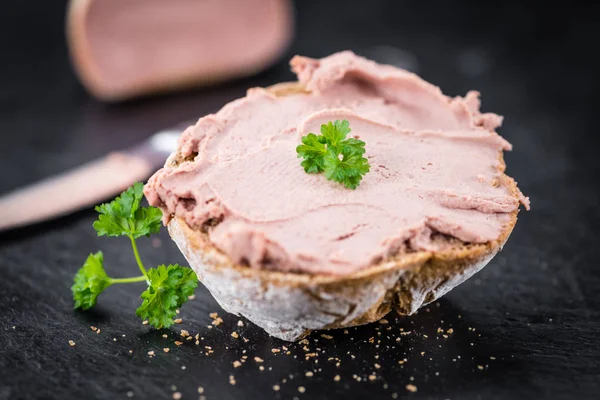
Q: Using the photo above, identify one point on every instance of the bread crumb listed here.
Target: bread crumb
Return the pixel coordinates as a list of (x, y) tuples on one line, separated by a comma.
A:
[(301, 389), (231, 380), (337, 378), (394, 395), (218, 321), (492, 358), (372, 377), (309, 374), (235, 335), (275, 350), (93, 328), (71, 343), (480, 367), (258, 359), (324, 336), (184, 333), (178, 320), (192, 297), (450, 331), (384, 321), (178, 343), (151, 353), (165, 335), (166, 349), (276, 388), (145, 322), (261, 368), (411, 388), (237, 364), (200, 390), (177, 311), (213, 315), (377, 366), (189, 338), (245, 340), (177, 396), (240, 323)]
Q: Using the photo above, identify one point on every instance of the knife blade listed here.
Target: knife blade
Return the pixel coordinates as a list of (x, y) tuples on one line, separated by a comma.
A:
[(88, 184)]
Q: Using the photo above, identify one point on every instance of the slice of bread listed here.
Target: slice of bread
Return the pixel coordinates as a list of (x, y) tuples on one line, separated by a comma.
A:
[(290, 305)]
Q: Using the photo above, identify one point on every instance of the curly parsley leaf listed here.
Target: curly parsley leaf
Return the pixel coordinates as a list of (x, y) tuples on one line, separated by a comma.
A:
[(341, 159), (124, 217), (169, 288), (313, 151), (90, 281)]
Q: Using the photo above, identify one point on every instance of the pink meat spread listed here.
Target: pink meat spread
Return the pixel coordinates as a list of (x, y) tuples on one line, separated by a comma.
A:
[(435, 172)]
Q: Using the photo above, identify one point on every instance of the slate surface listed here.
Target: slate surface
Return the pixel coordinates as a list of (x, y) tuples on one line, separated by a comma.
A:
[(526, 326)]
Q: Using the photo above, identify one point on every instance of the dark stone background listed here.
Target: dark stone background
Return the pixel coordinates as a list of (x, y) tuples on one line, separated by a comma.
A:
[(534, 309)]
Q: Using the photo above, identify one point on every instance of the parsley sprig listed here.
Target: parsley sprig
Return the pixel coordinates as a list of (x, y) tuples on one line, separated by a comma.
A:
[(168, 286), (340, 158)]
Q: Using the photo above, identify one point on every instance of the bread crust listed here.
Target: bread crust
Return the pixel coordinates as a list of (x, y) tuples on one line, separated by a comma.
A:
[(290, 305)]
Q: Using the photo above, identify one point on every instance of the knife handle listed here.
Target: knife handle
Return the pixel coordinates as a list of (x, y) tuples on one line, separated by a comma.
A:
[(82, 187)]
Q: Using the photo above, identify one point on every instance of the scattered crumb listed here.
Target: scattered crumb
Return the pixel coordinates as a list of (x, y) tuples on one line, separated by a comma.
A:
[(189, 338), (245, 340), (177, 311), (235, 335), (165, 335), (237, 364), (276, 388), (218, 321), (178, 320), (261, 368), (492, 358), (200, 390), (384, 321), (151, 353), (411, 388), (166, 349), (394, 395), (184, 333), (213, 315), (372, 377), (450, 331), (130, 351), (301, 389), (93, 328), (178, 343), (176, 396), (183, 367), (145, 322), (71, 343), (258, 359), (275, 350), (377, 366), (192, 297), (240, 323), (309, 373), (231, 380), (324, 336), (336, 378), (480, 367)]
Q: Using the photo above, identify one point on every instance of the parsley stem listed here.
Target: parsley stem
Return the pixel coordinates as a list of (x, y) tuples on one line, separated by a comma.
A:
[(137, 257), (128, 280)]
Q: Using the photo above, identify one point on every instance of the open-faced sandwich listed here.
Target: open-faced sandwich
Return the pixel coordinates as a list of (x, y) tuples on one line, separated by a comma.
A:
[(398, 196)]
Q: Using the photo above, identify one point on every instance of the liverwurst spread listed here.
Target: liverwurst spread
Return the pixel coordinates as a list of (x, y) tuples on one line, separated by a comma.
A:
[(436, 172)]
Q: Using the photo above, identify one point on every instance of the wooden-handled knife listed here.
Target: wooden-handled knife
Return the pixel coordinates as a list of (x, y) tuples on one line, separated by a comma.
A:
[(88, 184)]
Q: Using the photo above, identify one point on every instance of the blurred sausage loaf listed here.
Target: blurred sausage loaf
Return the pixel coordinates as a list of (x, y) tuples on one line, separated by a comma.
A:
[(123, 49)]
